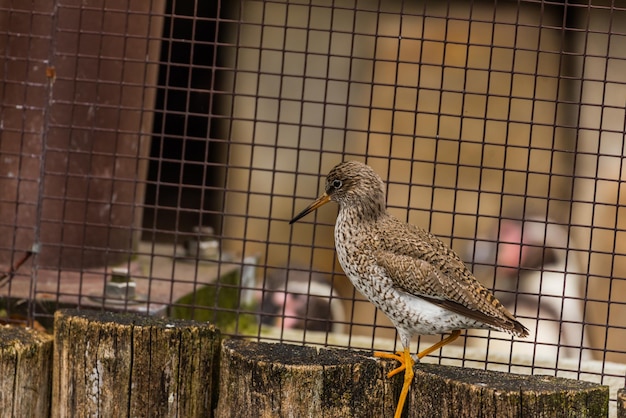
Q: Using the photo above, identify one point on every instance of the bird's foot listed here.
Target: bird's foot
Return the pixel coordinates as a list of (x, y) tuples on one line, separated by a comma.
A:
[(399, 356), (406, 364)]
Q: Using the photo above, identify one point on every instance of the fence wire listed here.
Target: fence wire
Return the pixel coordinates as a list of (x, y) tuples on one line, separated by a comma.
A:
[(153, 153)]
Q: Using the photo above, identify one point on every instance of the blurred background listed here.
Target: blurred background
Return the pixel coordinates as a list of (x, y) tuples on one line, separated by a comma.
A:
[(152, 154)]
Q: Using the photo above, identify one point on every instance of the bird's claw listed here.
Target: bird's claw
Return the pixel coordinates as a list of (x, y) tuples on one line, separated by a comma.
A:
[(399, 357), (406, 364), (392, 356)]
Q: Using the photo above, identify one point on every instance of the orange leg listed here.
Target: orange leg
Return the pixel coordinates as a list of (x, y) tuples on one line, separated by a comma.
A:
[(455, 334), (406, 364)]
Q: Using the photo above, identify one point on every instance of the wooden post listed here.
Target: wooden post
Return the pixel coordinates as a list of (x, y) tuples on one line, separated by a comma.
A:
[(621, 403), (112, 364), (456, 392), (277, 380), (25, 370)]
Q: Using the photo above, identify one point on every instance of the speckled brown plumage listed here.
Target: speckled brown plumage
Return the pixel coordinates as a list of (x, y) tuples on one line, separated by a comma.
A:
[(390, 261), (408, 273)]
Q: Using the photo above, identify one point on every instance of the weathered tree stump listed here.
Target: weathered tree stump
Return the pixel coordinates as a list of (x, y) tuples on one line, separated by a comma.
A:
[(108, 364), (25, 371), (279, 380), (621, 403), (445, 391)]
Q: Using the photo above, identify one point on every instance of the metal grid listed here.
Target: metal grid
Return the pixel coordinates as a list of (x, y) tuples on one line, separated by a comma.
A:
[(153, 152)]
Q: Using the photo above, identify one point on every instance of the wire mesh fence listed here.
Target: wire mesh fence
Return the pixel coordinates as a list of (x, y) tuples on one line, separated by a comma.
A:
[(154, 152)]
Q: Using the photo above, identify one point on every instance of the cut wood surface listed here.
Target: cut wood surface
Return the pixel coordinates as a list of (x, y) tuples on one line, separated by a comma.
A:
[(112, 365), (25, 370), (455, 392), (128, 365), (278, 380)]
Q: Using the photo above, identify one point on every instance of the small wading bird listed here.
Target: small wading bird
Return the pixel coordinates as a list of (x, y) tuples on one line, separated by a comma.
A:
[(408, 273)]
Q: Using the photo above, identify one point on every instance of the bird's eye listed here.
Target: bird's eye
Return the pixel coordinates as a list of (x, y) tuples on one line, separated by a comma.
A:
[(337, 184)]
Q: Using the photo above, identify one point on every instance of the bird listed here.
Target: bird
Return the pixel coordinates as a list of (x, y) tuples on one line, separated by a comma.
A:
[(409, 274)]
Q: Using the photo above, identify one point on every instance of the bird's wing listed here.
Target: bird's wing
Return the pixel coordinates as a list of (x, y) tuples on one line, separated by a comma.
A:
[(466, 296)]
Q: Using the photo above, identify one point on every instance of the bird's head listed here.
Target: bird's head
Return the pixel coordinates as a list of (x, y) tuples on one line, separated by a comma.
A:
[(350, 183)]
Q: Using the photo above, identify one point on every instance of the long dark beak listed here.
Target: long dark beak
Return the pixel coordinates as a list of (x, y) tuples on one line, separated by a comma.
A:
[(320, 201)]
